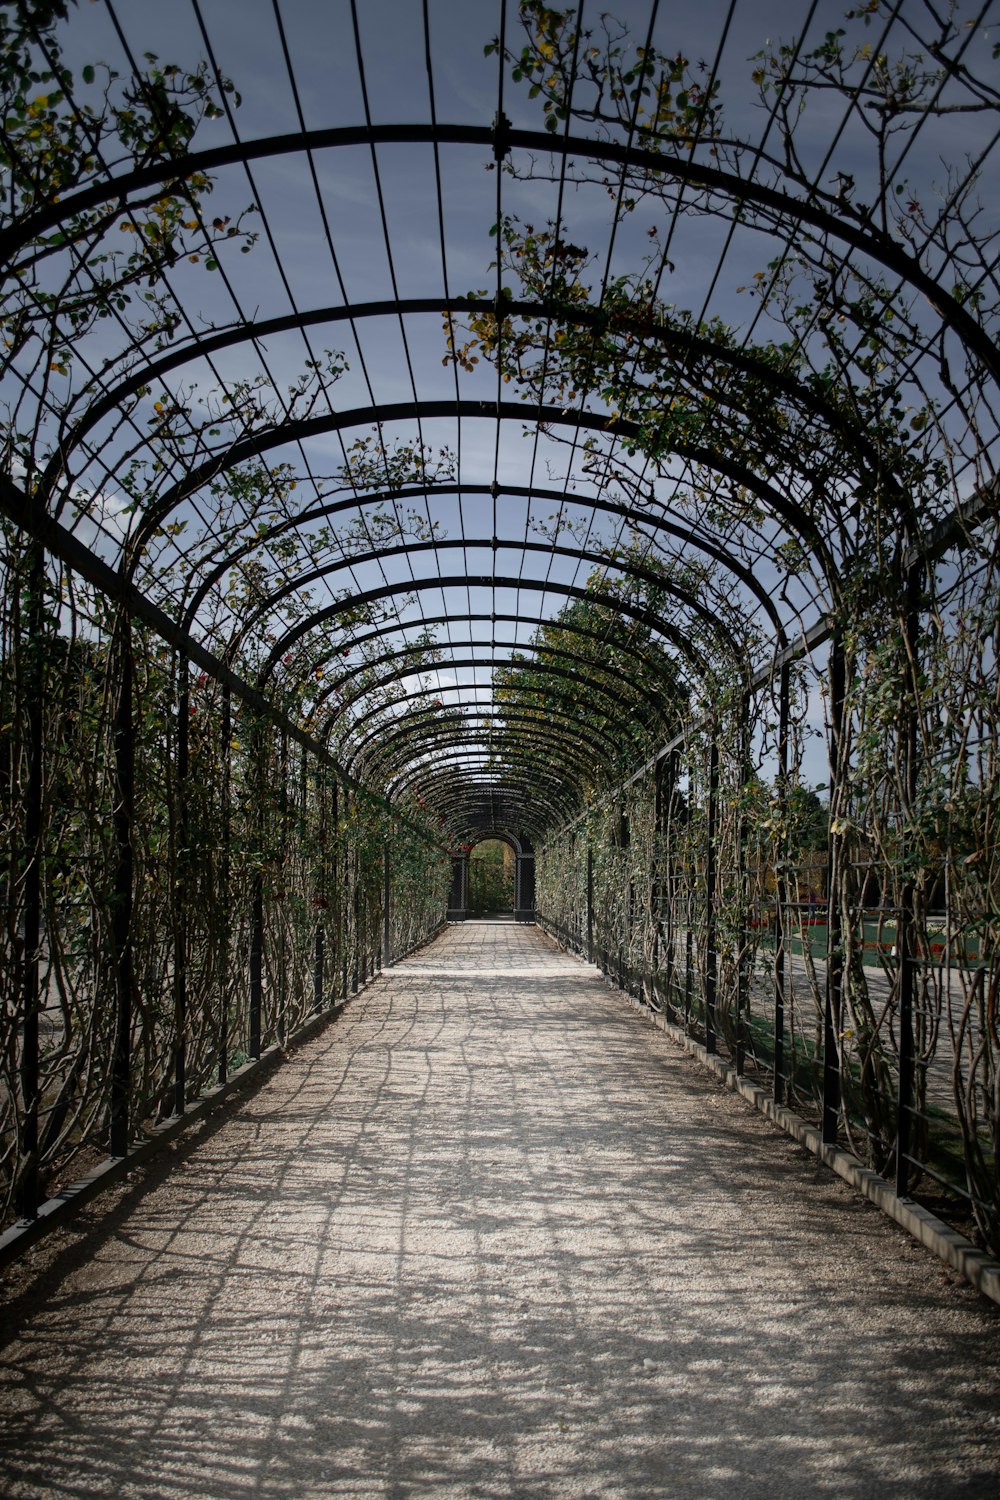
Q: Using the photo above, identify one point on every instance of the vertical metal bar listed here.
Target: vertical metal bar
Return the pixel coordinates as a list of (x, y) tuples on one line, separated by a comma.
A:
[(655, 905), (590, 904), (906, 945), (386, 906), (282, 944), (180, 892), (319, 940), (528, 886), (688, 967), (689, 948), (337, 887), (257, 903), (711, 957), (319, 965), (256, 963), (225, 792), (356, 912), (668, 884), (121, 924), (346, 908), (780, 890), (742, 978), (833, 1009), (29, 1189)]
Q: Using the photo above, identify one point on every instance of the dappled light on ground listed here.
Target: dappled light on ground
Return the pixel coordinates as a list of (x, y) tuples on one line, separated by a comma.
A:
[(491, 1235)]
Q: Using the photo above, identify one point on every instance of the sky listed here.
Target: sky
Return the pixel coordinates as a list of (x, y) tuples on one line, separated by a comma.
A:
[(339, 198)]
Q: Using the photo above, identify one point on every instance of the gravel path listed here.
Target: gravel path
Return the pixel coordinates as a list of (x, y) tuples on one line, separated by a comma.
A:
[(492, 1234)]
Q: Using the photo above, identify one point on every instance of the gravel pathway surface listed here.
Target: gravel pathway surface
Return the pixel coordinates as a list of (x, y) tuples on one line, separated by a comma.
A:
[(492, 1234)]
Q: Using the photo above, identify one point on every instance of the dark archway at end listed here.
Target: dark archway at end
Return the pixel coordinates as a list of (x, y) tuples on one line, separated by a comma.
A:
[(461, 900)]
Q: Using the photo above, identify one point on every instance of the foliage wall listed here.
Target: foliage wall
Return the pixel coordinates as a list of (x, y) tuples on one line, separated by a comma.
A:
[(824, 903), (251, 880)]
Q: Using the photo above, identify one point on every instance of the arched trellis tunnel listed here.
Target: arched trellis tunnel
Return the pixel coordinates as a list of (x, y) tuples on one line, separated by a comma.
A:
[(665, 554)]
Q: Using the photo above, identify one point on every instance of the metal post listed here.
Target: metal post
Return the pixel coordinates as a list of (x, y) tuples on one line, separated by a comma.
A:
[(711, 958), (225, 792), (29, 1191), (121, 924), (257, 904), (180, 898), (282, 945), (256, 963), (833, 1008), (667, 881), (655, 880), (742, 978), (337, 910), (346, 905), (590, 904), (780, 891), (688, 968), (906, 945), (386, 907), (356, 905), (319, 966), (319, 941)]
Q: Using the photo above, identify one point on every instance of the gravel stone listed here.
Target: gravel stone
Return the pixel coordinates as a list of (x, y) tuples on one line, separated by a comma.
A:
[(491, 1235)]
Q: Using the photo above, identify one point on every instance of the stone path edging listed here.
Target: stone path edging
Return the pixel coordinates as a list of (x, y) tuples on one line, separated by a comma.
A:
[(978, 1268)]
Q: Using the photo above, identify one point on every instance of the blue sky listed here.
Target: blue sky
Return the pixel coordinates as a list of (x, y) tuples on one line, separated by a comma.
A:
[(390, 360)]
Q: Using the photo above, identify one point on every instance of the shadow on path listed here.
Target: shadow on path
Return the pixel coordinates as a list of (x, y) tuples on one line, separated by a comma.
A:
[(491, 1236)]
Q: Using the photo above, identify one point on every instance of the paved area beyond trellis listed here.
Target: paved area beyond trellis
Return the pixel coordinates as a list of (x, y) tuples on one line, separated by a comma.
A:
[(493, 1235)]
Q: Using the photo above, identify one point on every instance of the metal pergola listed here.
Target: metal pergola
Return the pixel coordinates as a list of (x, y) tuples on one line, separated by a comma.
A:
[(352, 545)]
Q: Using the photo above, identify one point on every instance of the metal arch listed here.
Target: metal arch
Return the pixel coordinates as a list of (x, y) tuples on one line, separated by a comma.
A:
[(453, 784), (398, 727), (528, 585), (488, 812), (392, 757), (395, 727), (536, 790), (334, 685), (661, 166), (474, 661), (788, 209), (385, 758), (501, 714), (455, 544), (663, 628), (522, 789), (626, 512), (513, 842), (684, 340), (79, 559), (794, 516), (463, 761), (466, 788), (469, 825), (408, 741)]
